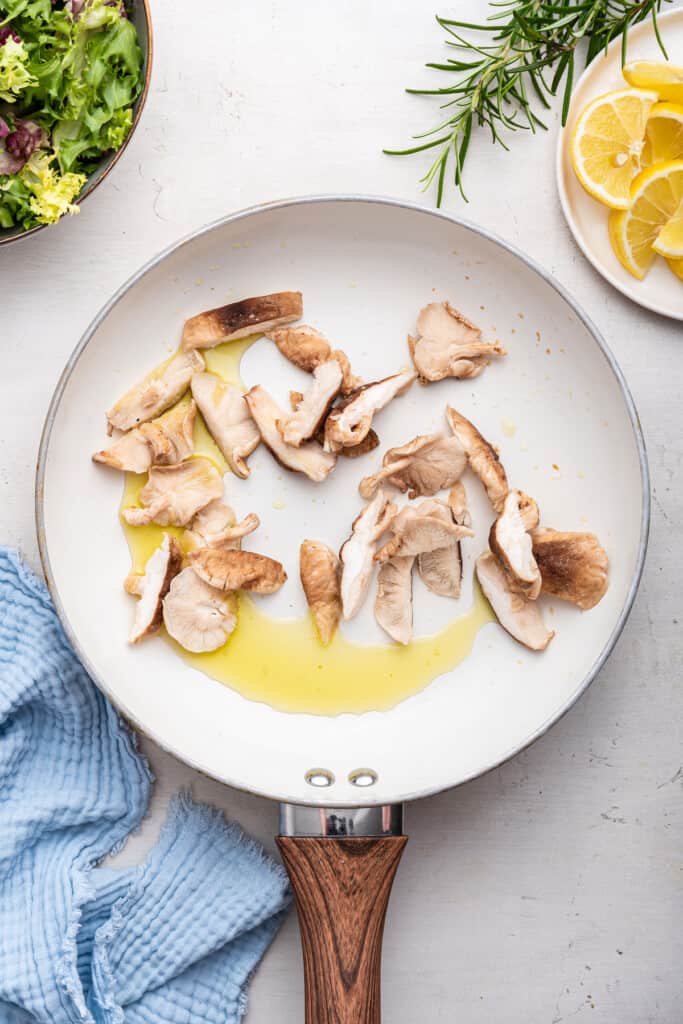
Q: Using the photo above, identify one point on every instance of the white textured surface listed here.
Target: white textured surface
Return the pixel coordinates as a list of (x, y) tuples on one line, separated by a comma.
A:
[(550, 889)]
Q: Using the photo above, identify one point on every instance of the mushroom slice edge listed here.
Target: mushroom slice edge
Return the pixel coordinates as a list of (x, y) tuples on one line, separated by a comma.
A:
[(152, 586), (357, 553), (517, 615), (510, 541)]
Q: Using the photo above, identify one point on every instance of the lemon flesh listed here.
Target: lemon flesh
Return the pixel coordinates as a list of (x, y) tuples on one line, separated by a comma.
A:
[(656, 194), (663, 134), (664, 79), (669, 241), (676, 267), (607, 143)]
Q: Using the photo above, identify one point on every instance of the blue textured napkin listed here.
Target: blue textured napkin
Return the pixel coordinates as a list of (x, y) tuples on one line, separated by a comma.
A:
[(173, 941)]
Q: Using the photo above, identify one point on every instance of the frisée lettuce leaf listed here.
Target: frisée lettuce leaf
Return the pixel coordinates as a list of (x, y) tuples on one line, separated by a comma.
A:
[(72, 72)]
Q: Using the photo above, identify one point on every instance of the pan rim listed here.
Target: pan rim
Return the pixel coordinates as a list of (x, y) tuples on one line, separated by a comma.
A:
[(301, 201)]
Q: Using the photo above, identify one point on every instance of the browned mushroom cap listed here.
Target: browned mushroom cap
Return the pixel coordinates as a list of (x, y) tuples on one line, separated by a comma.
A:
[(349, 422), (368, 444), (230, 569), (307, 348), (161, 442), (394, 601), (440, 569), (573, 566), (420, 529), (319, 569), (449, 345), (358, 551), (311, 410), (153, 586), (520, 617), (199, 617), (482, 457), (239, 319), (424, 466), (174, 494), (309, 458), (302, 345), (156, 392), (510, 542), (227, 419)]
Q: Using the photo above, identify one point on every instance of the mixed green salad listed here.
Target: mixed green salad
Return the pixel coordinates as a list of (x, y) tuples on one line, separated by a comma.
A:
[(70, 73)]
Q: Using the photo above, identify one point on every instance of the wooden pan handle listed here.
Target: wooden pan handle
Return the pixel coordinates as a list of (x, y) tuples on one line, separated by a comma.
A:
[(342, 889)]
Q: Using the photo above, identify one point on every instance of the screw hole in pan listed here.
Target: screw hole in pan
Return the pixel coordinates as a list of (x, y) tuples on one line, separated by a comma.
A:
[(319, 777), (363, 777)]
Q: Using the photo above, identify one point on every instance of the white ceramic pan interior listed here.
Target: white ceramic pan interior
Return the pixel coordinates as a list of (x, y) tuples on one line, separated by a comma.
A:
[(556, 407)]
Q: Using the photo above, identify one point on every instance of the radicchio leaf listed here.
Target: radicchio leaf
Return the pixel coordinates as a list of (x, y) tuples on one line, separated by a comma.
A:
[(19, 145), (8, 33)]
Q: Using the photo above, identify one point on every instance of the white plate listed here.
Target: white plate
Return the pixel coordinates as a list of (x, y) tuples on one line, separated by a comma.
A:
[(365, 267), (660, 291)]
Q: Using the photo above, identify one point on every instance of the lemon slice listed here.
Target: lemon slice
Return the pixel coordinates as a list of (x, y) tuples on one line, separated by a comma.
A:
[(663, 134), (655, 196), (676, 267), (665, 79), (607, 144), (669, 241)]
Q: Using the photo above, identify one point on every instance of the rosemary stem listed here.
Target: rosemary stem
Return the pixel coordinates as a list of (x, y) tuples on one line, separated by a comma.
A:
[(524, 39)]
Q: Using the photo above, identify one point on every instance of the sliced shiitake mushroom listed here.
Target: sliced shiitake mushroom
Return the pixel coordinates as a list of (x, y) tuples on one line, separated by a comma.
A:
[(309, 458), (394, 601), (427, 464), (227, 419), (152, 586), (482, 457), (573, 566), (174, 494), (239, 319), (449, 345), (156, 392), (358, 552), (350, 421), (164, 441), (510, 542), (232, 569), (199, 617), (517, 615), (319, 569)]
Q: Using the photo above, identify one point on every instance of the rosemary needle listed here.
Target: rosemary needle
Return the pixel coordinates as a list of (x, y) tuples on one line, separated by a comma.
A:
[(507, 69)]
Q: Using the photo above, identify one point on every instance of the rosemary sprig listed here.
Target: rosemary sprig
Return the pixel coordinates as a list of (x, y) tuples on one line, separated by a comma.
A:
[(513, 64)]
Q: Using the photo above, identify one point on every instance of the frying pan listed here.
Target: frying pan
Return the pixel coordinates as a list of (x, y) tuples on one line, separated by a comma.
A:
[(559, 411)]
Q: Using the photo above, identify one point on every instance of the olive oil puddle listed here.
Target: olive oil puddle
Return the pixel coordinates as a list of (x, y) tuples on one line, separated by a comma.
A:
[(282, 662)]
